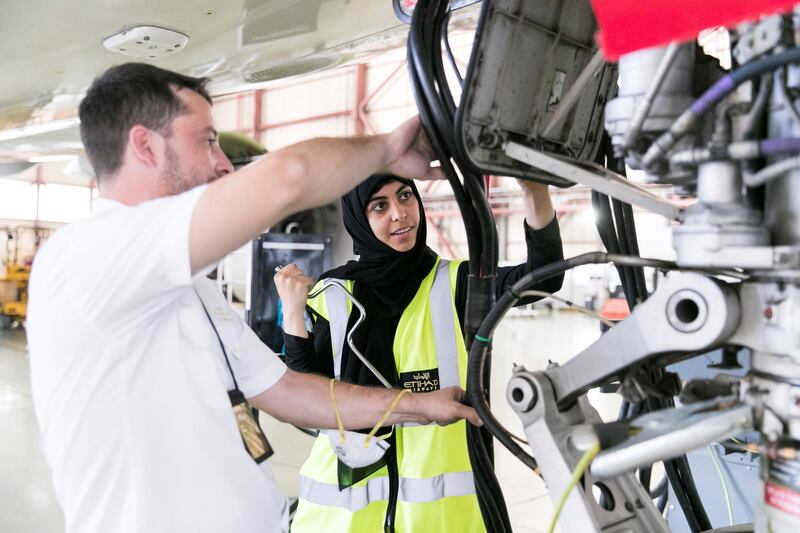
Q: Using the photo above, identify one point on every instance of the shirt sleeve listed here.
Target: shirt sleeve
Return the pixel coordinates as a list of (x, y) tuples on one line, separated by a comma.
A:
[(128, 260), (544, 246), (259, 368)]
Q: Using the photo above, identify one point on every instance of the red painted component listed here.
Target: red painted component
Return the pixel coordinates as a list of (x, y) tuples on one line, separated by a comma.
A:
[(615, 309), (783, 498), (628, 25)]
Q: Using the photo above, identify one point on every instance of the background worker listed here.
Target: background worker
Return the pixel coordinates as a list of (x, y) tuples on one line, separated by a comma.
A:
[(415, 303), (139, 368)]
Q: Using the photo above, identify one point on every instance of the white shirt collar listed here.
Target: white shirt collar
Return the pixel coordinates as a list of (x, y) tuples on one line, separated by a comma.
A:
[(104, 205)]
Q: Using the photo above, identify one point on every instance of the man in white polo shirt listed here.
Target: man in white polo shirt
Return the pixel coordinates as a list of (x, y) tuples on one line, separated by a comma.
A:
[(137, 361)]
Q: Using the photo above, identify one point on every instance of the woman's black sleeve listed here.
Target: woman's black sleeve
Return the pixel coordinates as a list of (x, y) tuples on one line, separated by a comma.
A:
[(312, 355), (544, 246)]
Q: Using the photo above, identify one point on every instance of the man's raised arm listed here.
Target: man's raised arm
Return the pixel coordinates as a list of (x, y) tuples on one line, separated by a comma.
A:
[(238, 207)]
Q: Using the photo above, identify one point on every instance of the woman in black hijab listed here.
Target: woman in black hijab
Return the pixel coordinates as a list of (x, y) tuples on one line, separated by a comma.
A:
[(385, 218)]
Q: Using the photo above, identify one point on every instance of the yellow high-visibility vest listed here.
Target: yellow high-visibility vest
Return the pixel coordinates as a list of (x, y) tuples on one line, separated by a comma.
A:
[(436, 488)]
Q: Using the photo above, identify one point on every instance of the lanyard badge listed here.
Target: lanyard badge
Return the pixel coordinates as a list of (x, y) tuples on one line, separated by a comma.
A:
[(253, 438), (255, 442)]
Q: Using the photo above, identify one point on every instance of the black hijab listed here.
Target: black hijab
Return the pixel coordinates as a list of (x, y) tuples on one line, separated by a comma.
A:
[(385, 283)]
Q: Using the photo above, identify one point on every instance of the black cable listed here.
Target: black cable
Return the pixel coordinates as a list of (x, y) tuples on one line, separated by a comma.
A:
[(309, 432), (450, 56), (661, 504), (394, 487), (608, 235), (437, 108), (487, 486), (680, 478), (644, 478), (633, 243), (660, 489), (684, 501), (764, 64), (628, 284), (423, 92)]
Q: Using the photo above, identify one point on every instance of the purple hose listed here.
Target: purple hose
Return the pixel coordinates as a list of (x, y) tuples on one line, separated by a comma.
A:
[(714, 94), (779, 146)]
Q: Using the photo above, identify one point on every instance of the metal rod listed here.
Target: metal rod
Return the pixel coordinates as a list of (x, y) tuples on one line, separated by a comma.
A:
[(575, 92), (598, 178), (650, 95), (327, 284)]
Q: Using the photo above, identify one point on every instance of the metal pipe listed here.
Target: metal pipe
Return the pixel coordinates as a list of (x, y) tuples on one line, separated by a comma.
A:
[(647, 101), (772, 171)]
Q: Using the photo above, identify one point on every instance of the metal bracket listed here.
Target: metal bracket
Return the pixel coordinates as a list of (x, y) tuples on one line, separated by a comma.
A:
[(675, 320), (555, 438), (598, 178)]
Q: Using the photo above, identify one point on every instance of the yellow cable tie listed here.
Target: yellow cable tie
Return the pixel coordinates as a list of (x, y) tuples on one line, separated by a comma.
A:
[(336, 411), (385, 416)]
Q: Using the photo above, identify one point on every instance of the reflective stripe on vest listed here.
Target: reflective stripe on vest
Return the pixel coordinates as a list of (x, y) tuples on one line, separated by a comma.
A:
[(443, 320), (441, 316), (410, 490), (338, 316)]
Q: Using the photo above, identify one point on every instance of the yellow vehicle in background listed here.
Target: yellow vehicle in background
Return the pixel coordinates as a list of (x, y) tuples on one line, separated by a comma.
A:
[(14, 294)]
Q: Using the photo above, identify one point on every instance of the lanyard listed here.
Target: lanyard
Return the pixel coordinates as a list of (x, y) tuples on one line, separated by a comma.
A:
[(253, 438), (219, 339)]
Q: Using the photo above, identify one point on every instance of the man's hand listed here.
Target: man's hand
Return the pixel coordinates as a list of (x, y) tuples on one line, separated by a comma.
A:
[(304, 400), (410, 153), (443, 406)]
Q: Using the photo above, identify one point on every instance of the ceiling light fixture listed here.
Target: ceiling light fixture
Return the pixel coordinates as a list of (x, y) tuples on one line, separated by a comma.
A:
[(146, 42)]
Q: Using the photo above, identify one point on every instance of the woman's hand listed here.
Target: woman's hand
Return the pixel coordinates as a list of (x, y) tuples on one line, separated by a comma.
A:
[(537, 204), (293, 286)]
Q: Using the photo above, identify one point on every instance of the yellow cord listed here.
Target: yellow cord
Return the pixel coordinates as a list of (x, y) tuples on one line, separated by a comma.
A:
[(385, 416), (713, 453), (580, 469), (336, 411)]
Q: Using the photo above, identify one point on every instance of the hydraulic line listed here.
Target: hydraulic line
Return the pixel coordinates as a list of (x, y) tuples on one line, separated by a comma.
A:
[(690, 118)]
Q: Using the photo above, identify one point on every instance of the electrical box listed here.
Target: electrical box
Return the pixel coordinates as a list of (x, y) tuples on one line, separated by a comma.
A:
[(312, 253)]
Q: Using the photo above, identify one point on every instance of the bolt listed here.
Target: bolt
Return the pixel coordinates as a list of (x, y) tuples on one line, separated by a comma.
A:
[(768, 313), (629, 507)]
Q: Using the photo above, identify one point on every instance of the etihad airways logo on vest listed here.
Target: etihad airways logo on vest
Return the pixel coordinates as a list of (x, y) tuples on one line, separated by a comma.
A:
[(420, 380)]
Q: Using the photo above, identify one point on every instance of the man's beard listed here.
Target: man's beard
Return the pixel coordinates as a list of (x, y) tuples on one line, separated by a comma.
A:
[(175, 180)]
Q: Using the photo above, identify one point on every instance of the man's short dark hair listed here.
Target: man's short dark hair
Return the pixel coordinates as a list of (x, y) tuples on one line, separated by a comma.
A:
[(124, 96)]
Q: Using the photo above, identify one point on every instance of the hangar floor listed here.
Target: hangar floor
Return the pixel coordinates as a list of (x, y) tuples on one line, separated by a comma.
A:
[(28, 505)]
